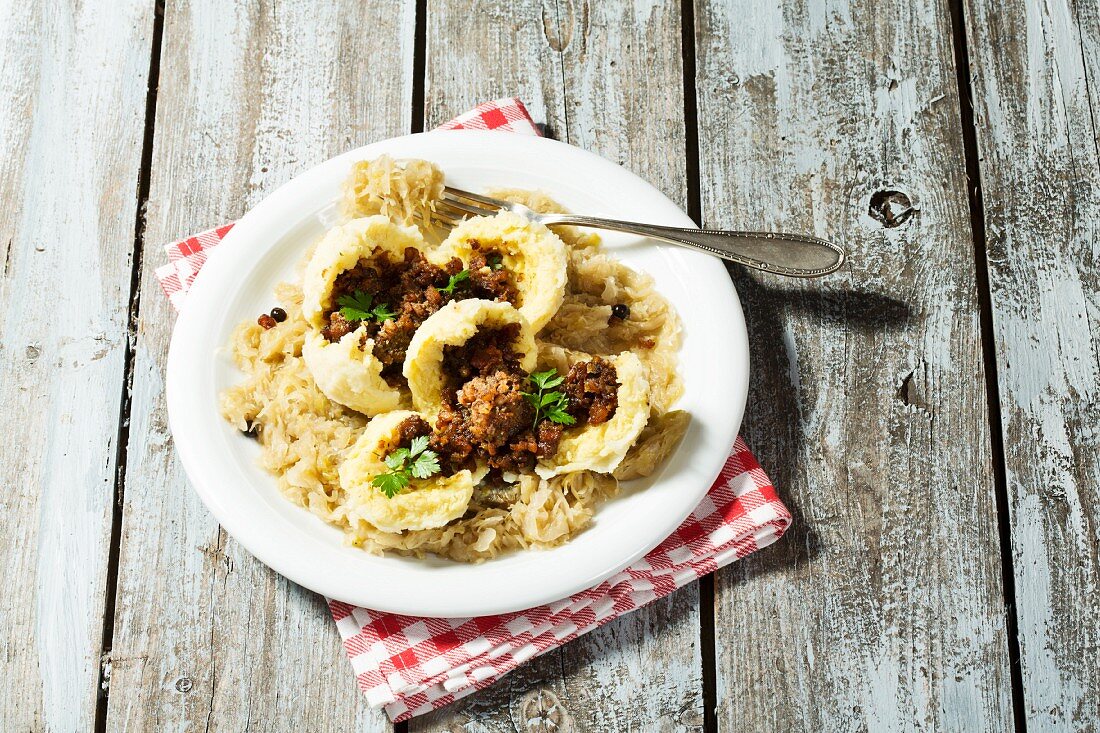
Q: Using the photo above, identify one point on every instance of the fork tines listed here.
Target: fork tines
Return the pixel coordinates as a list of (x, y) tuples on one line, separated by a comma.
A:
[(455, 205), (462, 204)]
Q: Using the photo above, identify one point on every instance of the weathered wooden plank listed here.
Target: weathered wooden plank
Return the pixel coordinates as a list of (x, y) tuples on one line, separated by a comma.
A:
[(71, 129), (607, 77), (1034, 70), (249, 96), (883, 609)]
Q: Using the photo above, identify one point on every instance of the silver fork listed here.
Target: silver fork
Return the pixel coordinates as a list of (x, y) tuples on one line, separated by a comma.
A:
[(796, 255)]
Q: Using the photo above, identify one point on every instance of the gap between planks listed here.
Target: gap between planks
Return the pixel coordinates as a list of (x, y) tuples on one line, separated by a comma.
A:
[(709, 672), (122, 438), (416, 124), (989, 354)]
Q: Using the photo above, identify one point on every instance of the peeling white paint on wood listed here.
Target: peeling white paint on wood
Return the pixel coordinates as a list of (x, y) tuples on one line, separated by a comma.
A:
[(205, 636), (882, 609), (1035, 69), (867, 406), (71, 126)]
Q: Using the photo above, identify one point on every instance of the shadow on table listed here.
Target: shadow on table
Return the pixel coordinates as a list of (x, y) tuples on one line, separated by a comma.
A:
[(780, 318)]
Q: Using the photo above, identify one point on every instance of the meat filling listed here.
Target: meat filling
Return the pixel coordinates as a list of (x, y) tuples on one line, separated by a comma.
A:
[(489, 416), (593, 391), (488, 351), (489, 280), (410, 429), (486, 415), (411, 289)]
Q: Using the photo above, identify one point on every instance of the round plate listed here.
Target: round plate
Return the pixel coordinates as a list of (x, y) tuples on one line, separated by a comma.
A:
[(236, 284)]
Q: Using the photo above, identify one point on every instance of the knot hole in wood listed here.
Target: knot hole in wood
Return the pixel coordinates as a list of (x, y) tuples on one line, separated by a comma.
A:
[(890, 207), (558, 20)]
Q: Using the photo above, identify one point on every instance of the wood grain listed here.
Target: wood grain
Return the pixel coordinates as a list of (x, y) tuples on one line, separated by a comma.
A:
[(1034, 70), (883, 608), (579, 66), (71, 128), (249, 96)]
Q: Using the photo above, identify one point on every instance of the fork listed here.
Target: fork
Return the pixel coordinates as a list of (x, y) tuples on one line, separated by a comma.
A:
[(796, 255)]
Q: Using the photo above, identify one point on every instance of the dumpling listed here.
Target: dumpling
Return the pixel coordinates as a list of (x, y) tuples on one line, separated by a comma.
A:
[(423, 504), (346, 370), (454, 325), (534, 256), (341, 249), (602, 447), (348, 374)]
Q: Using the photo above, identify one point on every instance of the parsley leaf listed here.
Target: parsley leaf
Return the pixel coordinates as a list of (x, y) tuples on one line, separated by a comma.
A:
[(392, 483), (383, 313), (405, 464), (549, 404), (547, 380), (425, 465), (418, 445), (396, 460), (356, 306), (359, 306), (495, 260), (459, 277)]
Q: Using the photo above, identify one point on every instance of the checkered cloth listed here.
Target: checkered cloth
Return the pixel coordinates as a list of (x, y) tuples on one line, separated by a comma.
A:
[(412, 665)]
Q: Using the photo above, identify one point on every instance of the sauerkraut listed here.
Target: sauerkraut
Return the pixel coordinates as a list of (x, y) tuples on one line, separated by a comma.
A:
[(403, 190)]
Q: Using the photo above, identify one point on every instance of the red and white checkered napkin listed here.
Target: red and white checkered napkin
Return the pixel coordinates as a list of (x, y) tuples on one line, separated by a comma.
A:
[(412, 665)]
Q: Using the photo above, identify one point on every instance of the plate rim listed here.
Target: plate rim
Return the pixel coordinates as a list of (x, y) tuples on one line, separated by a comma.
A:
[(189, 323)]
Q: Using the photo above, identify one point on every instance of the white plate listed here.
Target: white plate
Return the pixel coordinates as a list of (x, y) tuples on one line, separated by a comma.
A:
[(236, 283)]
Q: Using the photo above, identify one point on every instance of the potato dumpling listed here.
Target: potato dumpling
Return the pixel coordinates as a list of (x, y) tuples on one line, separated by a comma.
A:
[(346, 371), (602, 447), (423, 504), (341, 249), (534, 257), (453, 325)]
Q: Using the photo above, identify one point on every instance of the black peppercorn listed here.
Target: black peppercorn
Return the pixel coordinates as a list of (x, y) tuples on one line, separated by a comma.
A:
[(278, 314), (620, 311)]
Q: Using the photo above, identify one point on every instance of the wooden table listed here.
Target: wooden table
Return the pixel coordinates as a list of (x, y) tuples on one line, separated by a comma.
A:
[(930, 415)]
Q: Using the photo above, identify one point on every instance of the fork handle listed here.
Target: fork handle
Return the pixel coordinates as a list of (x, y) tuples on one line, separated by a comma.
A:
[(796, 255)]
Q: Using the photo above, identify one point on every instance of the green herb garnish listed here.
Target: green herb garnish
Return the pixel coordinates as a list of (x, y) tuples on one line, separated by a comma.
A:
[(548, 402), (405, 464), (359, 306), (459, 277), (495, 260)]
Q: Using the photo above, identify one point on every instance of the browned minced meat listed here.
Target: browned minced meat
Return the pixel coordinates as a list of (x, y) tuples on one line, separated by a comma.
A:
[(410, 288), (496, 408), (338, 327), (411, 428), (489, 284), (489, 350), (593, 391), (407, 430), (487, 416), (393, 338)]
